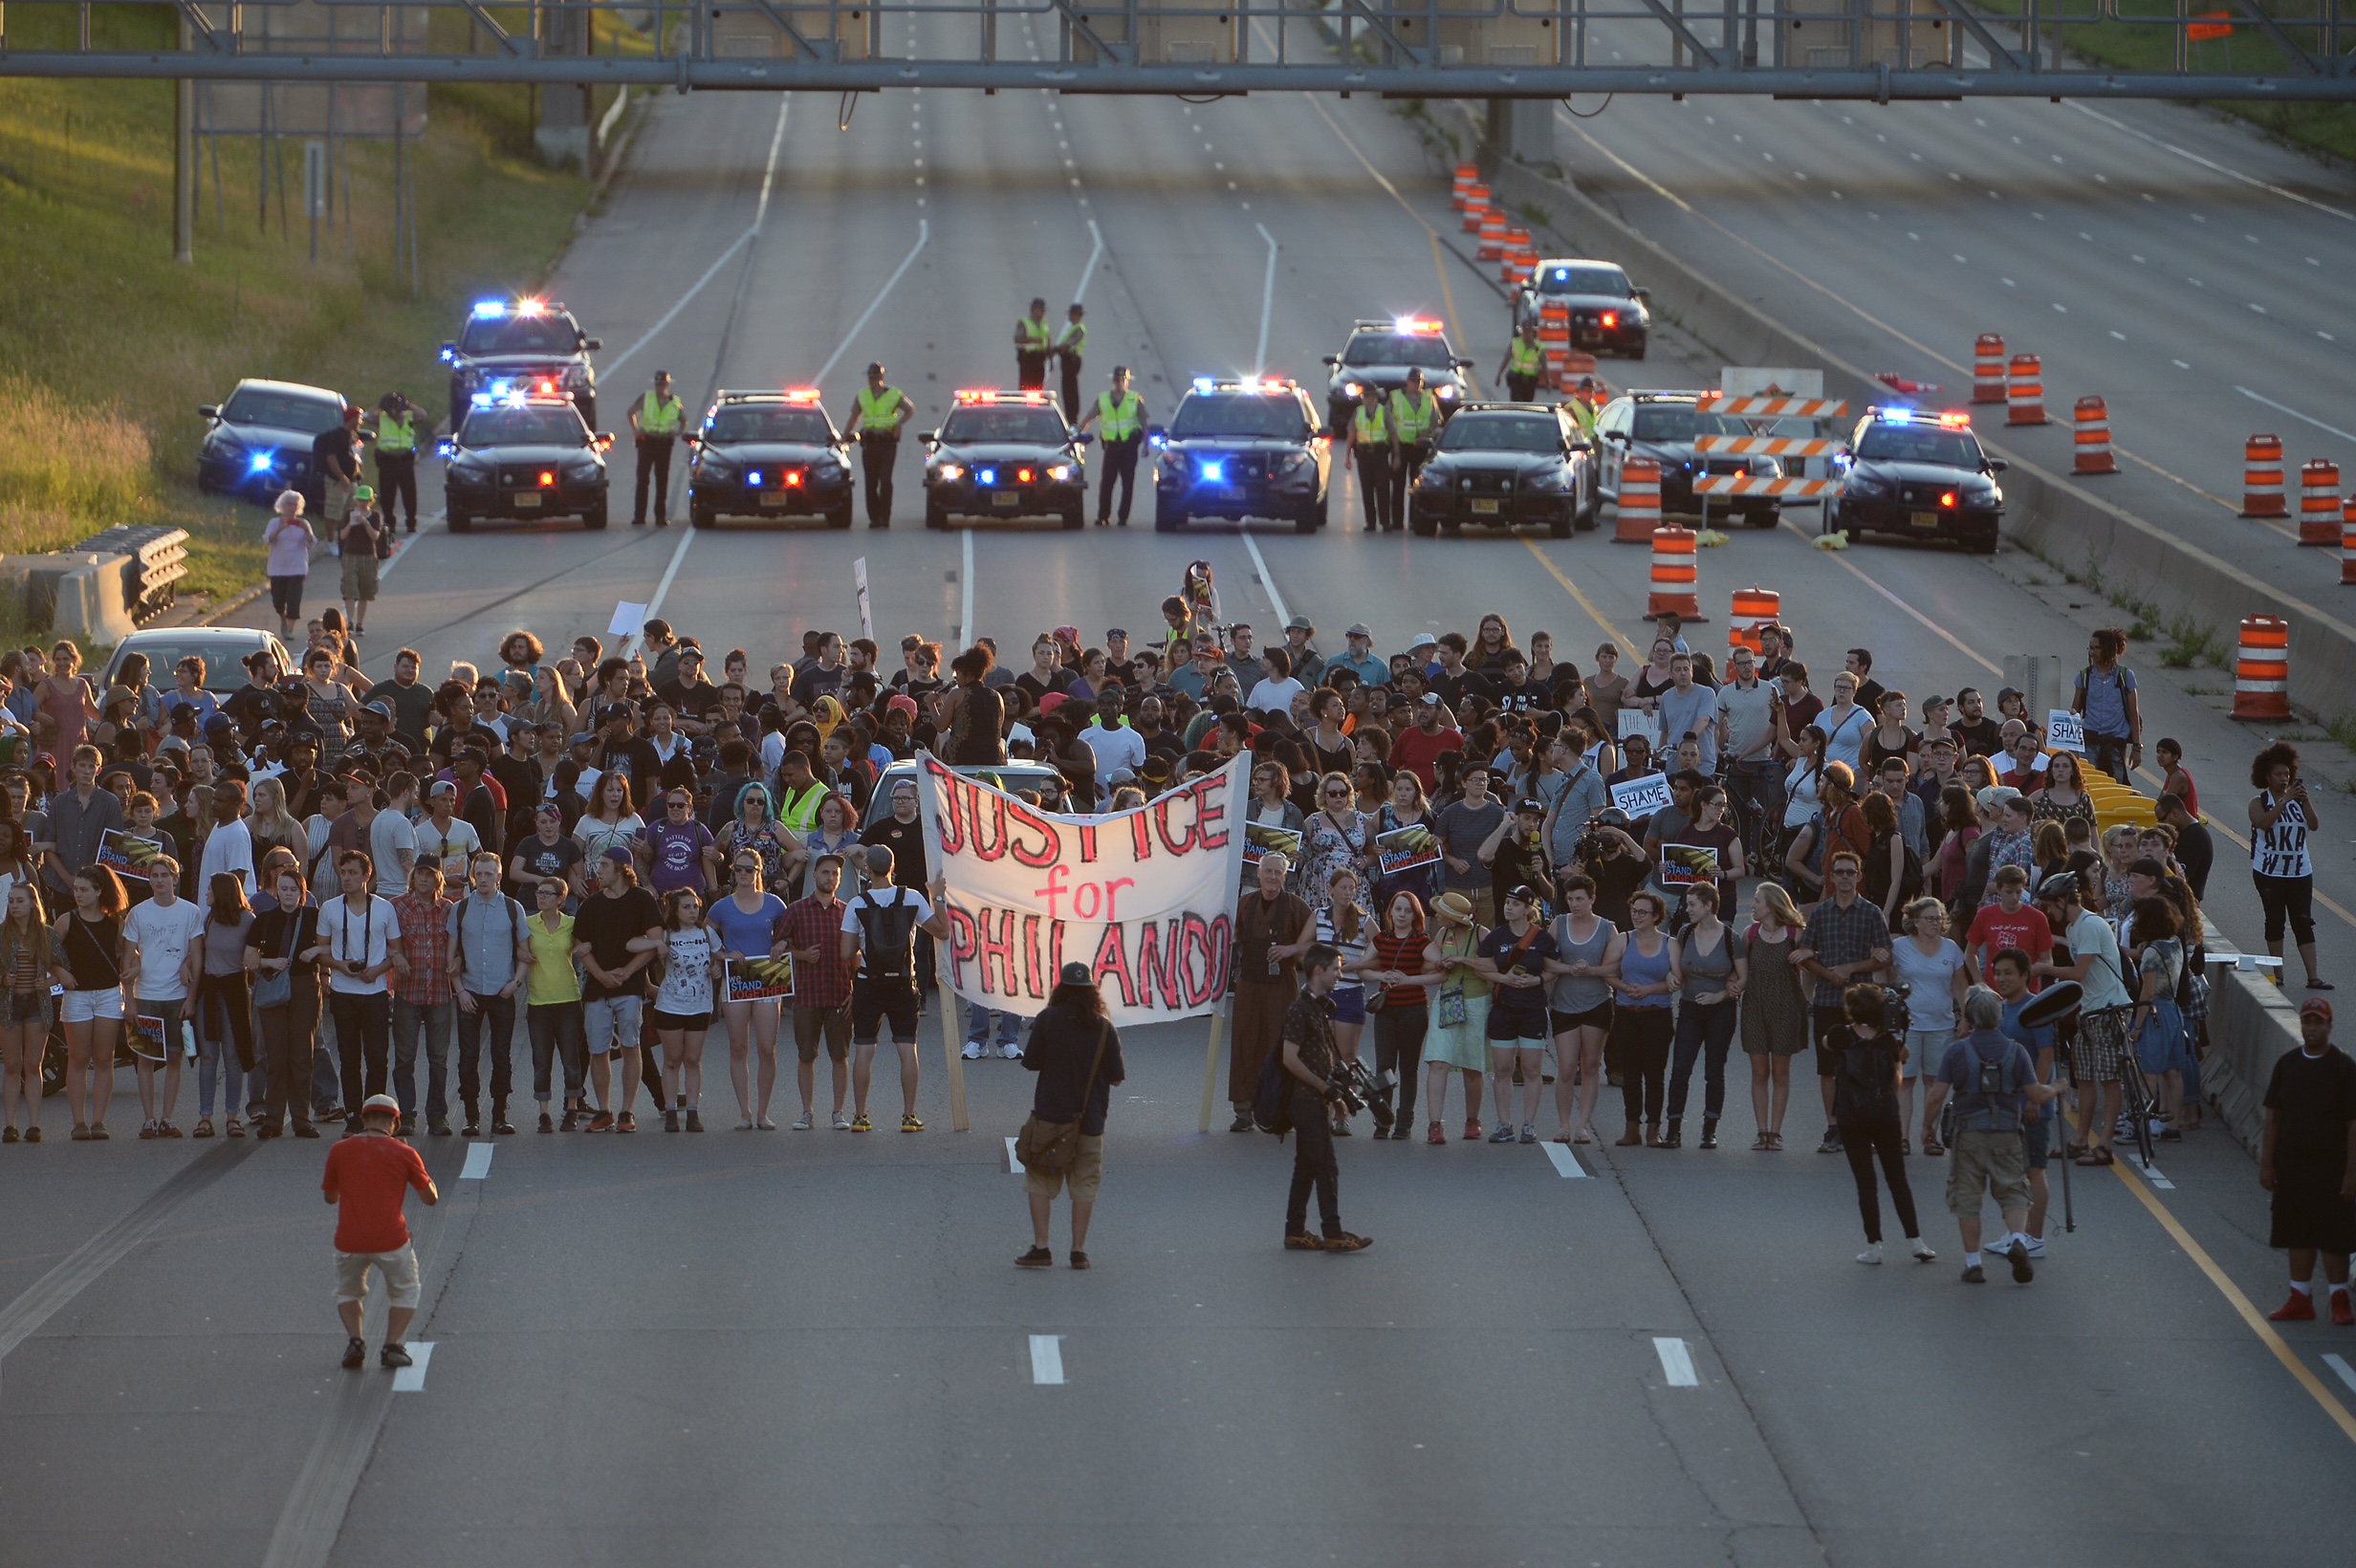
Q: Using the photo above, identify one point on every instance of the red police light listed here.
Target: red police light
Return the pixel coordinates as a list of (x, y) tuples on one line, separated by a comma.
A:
[(548, 479), (1023, 474), (1611, 318), (1948, 500), (793, 479)]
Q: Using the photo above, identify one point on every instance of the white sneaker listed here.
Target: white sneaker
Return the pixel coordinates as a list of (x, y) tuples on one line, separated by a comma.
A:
[(801, 1122), (2036, 1247), (1871, 1254), (2001, 1247), (1011, 1050), (1922, 1253), (842, 1123), (973, 1051)]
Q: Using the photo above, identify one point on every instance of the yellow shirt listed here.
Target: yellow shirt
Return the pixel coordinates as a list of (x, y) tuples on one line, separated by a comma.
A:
[(554, 979)]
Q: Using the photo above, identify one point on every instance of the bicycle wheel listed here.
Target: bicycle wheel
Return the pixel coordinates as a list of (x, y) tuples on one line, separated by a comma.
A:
[(2136, 1099)]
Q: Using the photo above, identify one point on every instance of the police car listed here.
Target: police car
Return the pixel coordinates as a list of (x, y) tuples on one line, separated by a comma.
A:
[(1664, 426), (523, 458), (522, 345), (1004, 454), (769, 454), (1380, 354), (1923, 475), (258, 443), (1502, 464), (1245, 448), (1609, 313)]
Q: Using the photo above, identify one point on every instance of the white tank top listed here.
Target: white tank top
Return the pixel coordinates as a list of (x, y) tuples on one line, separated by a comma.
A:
[(2281, 850)]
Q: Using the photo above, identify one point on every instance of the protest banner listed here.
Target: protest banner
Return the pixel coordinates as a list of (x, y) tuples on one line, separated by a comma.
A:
[(1683, 864), (760, 979), (2065, 732), (1401, 850), (1642, 796), (126, 854)]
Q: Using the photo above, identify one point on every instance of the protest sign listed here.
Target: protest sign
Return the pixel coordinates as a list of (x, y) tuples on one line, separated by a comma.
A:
[(1404, 849), (1259, 838), (127, 853), (2064, 731), (1682, 865), (760, 979), (1635, 721), (1642, 796)]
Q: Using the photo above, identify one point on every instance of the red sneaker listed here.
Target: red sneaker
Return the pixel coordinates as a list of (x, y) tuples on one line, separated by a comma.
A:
[(2298, 1309), (1471, 1130), (2343, 1315)]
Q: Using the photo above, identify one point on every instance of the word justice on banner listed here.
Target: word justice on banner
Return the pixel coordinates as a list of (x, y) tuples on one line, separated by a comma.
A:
[(1144, 898)]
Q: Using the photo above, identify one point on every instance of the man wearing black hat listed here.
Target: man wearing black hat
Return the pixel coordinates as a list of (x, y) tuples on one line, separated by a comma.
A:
[(1123, 416)]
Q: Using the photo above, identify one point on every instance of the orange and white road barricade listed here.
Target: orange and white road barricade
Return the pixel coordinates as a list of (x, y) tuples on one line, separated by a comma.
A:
[(2262, 668), (2347, 540), (1676, 575), (1640, 501), (1492, 235), (1476, 205), (2092, 454), (1752, 608), (2024, 391), (2262, 478), (2318, 503), (1988, 368), (1468, 175)]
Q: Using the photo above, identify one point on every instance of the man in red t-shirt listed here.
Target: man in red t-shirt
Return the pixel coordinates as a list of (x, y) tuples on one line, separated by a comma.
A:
[(369, 1177), (2011, 921), (1418, 747)]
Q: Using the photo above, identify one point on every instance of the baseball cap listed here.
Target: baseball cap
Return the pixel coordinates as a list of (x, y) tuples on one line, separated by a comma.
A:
[(2317, 1006), (442, 786), (2147, 866), (381, 709), (1074, 973), (1359, 628), (616, 854), (582, 739), (1529, 805), (612, 712), (1431, 699), (1300, 623)]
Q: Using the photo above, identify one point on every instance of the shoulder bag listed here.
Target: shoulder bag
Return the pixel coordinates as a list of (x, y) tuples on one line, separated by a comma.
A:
[(1052, 1148)]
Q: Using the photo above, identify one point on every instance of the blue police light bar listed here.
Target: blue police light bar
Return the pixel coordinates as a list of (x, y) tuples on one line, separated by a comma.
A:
[(260, 462), (1203, 384), (1215, 469), (988, 476), (754, 478), (490, 308)]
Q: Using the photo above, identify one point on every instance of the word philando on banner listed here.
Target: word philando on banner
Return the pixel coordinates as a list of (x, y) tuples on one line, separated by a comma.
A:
[(1144, 898)]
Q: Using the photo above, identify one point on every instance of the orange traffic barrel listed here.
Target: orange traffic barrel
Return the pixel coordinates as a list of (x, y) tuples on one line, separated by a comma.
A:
[(2024, 391), (1759, 606), (1640, 501), (1988, 368), (2347, 540), (1492, 235), (1554, 323), (2093, 451), (2262, 478), (1476, 205), (1676, 575), (2262, 668), (1468, 175), (2318, 503)]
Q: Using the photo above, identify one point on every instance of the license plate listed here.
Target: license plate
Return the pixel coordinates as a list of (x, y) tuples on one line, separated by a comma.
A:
[(1485, 509), (527, 500), (1924, 519), (773, 498), (1005, 500)]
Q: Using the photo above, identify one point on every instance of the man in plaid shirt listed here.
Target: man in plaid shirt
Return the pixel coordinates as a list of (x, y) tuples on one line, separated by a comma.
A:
[(421, 1000), (813, 928), (1845, 941)]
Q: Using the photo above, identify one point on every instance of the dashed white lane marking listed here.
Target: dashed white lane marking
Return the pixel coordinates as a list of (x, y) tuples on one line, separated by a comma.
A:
[(1676, 1363), (1566, 1162), (2286, 409), (2346, 1372), (411, 1379), (1268, 580), (478, 1162), (1014, 1165), (1047, 1359), (2149, 1173)]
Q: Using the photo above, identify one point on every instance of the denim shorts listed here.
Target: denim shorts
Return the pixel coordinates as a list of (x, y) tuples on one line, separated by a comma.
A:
[(612, 1024)]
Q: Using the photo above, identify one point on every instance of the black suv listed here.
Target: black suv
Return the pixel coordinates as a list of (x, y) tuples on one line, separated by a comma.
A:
[(1922, 475), (259, 442), (1380, 354), (522, 345), (1243, 448), (1501, 464), (524, 459), (1664, 426), (1609, 313), (769, 454), (1005, 454)]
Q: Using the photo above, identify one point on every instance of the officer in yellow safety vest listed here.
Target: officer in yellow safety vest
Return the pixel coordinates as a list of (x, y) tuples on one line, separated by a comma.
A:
[(1071, 343), (1524, 366), (1123, 416), (396, 444), (1414, 426), (1370, 442), (1033, 342), (875, 417), (655, 420)]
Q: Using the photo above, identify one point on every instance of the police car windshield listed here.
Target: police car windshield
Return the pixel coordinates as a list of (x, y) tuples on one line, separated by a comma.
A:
[(282, 412), (1035, 427), (1384, 348), (1919, 443), (1240, 414), (1501, 433), (524, 428), (519, 334), (805, 425), (1683, 421), (1609, 281)]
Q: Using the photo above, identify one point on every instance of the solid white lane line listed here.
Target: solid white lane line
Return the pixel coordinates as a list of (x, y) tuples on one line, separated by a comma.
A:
[(670, 573), (478, 1162), (965, 588), (1268, 301), (769, 169), (1952, 641), (1014, 1165), (2286, 409), (1676, 1363), (1566, 1162), (1096, 253), (669, 316), (924, 233), (1268, 579), (2231, 174), (1047, 1358), (411, 1379), (2346, 1373)]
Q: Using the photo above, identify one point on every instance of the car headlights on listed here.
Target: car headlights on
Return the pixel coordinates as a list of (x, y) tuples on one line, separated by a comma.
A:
[(1059, 473), (1447, 392), (1352, 390), (949, 471)]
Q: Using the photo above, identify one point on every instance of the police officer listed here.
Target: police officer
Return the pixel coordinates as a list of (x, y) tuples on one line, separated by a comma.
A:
[(1034, 342), (397, 434), (1414, 424), (655, 421), (880, 410), (1523, 366), (1071, 343), (1124, 414), (1370, 444)]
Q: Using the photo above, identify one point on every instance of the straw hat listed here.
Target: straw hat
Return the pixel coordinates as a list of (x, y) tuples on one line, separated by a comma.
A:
[(1453, 907)]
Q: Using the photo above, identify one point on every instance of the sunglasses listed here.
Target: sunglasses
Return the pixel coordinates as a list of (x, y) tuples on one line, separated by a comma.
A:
[(748, 868)]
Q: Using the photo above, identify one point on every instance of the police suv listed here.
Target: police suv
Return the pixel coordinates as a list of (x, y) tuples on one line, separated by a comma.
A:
[(1243, 448), (1920, 475), (769, 454), (1380, 354), (526, 346), (1005, 454), (523, 458)]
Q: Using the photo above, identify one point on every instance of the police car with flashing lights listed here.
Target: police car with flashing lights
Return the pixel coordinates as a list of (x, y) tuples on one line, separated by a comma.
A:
[(1609, 313), (258, 443), (1380, 354), (769, 454), (526, 346), (523, 459), (1920, 475), (1503, 464), (1664, 426), (1243, 448), (1004, 454)]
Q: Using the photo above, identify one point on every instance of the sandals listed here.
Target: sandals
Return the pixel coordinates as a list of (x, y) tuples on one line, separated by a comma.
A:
[(1932, 1146), (1775, 1143), (2096, 1157), (1761, 1144), (204, 1127), (233, 1128)]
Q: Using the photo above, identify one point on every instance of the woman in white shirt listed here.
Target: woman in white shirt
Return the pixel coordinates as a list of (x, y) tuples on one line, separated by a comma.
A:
[(1930, 967), (609, 820), (1844, 724), (690, 956)]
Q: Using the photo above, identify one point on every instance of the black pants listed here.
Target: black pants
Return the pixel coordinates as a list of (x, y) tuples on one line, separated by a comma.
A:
[(397, 477), (1030, 370), (654, 462), (1407, 463), (1639, 1041), (288, 1034), (2109, 754), (364, 1040), (1374, 486), (2288, 901), (1861, 1142), (877, 453), (1703, 1032), (1120, 463), (1399, 1048), (1071, 386), (497, 1013), (1312, 1166), (1520, 388)]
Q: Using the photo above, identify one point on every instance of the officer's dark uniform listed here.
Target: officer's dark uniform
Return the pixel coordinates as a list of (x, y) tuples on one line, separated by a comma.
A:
[(1123, 420), (658, 431), (1370, 429), (1071, 343), (878, 449), (395, 446)]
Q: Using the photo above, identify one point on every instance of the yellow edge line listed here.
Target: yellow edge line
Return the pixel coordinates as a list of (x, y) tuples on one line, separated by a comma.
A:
[(1571, 588)]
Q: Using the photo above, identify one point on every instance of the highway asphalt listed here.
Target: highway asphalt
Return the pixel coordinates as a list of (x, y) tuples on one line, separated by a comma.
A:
[(741, 1346)]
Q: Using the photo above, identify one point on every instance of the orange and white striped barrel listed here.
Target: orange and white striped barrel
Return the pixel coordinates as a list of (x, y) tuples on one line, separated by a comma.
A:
[(1475, 207), (2093, 451), (2262, 478), (1758, 607), (2318, 503), (2262, 668), (1988, 368), (1492, 235), (1554, 323), (1640, 501), (2347, 540), (1468, 175), (2024, 391), (1676, 575)]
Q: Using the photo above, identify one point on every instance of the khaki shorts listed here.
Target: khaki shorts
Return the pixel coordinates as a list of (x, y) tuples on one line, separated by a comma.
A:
[(1986, 1162), (1087, 1176), (400, 1270), (359, 577)]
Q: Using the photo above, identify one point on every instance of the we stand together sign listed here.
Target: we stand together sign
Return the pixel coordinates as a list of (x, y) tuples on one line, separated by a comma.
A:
[(1144, 898)]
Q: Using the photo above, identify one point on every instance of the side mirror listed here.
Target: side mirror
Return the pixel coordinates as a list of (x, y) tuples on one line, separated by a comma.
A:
[(1331, 360), (692, 441), (1155, 432), (595, 345), (450, 351), (1642, 293), (1081, 438), (928, 442), (1461, 364), (606, 440), (447, 449), (209, 411), (1997, 464)]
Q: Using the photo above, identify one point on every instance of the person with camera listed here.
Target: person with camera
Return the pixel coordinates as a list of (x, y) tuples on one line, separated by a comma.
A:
[(1076, 1054), (2098, 1055), (1995, 1081), (360, 936), (1312, 1059), (1870, 1048)]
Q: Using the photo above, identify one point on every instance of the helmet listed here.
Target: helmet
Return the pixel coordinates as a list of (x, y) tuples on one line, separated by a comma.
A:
[(2061, 884), (1612, 816)]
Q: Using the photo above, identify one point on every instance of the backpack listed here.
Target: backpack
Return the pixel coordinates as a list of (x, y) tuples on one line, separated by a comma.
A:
[(887, 932), (1909, 876), (1995, 1077), (1271, 1101)]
